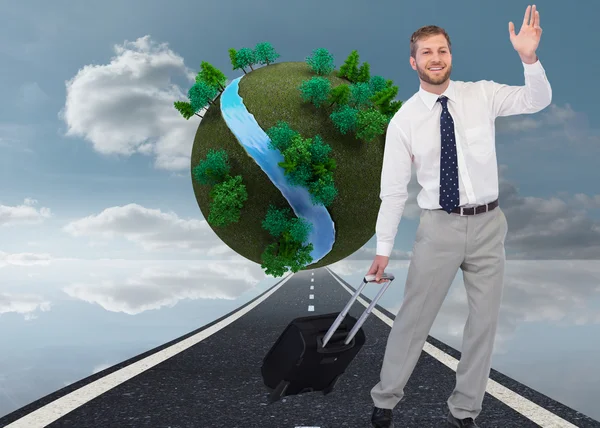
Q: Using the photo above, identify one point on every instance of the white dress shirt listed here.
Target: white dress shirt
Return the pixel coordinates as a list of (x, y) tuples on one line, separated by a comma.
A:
[(413, 137)]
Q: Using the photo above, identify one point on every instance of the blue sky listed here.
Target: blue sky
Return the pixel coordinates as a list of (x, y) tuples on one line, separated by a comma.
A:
[(73, 177), (94, 164)]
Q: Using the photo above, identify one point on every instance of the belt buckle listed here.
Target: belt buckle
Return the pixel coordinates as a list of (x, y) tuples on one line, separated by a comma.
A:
[(462, 211)]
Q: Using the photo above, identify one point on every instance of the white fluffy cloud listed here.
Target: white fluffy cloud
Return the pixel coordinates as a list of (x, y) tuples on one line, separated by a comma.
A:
[(150, 228), (126, 106), (24, 259), (555, 292), (165, 285), (550, 228), (24, 304), (553, 127), (26, 213)]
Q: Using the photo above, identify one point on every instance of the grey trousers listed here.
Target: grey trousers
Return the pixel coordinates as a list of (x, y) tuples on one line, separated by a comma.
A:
[(444, 243)]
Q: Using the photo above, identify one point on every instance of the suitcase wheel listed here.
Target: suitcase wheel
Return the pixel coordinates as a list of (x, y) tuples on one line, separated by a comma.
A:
[(278, 392)]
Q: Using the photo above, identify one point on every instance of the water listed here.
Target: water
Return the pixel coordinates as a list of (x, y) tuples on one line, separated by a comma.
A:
[(256, 143)]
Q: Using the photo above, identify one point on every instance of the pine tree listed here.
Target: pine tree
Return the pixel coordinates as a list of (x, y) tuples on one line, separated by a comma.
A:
[(349, 69), (364, 73), (233, 59), (211, 75), (186, 109), (340, 95)]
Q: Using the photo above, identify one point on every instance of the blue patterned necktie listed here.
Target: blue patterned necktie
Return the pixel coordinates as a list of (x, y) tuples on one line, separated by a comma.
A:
[(449, 196)]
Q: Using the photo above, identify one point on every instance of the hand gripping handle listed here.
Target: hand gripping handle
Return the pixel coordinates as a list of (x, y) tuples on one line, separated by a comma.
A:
[(388, 278)]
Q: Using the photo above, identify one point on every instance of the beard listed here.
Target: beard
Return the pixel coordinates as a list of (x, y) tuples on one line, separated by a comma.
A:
[(434, 78)]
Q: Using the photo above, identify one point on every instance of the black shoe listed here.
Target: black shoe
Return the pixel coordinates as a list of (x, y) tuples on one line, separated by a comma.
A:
[(382, 418), (461, 423)]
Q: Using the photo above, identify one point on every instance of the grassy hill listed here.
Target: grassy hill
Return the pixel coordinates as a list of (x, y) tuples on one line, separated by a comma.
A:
[(271, 94)]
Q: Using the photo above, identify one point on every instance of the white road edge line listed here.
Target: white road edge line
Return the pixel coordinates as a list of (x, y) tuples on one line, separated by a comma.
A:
[(67, 403), (527, 408)]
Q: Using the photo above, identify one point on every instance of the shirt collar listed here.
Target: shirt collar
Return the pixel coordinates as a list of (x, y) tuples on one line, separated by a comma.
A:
[(430, 98)]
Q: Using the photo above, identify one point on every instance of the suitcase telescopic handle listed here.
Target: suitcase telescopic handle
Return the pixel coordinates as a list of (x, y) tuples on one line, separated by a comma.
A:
[(388, 278)]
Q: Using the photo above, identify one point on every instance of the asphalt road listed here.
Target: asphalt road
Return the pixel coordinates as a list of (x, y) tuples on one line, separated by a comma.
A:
[(216, 381)]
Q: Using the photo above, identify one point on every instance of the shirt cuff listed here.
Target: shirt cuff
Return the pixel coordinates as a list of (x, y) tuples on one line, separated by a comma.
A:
[(535, 68), (384, 249)]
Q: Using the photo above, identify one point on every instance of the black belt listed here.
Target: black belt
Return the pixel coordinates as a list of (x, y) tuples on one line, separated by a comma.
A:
[(475, 210)]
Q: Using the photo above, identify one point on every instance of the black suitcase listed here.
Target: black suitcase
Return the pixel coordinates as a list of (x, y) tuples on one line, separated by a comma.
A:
[(314, 351)]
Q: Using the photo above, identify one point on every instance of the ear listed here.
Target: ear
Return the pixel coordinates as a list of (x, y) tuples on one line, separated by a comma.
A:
[(413, 63)]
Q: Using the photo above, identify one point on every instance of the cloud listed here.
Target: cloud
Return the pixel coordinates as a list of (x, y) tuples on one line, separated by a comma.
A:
[(156, 287), (25, 304), (552, 127), (368, 253), (24, 259), (150, 228), (558, 227), (550, 228), (23, 214), (560, 293), (126, 106)]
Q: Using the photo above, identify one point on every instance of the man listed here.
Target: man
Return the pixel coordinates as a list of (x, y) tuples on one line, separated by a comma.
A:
[(447, 130)]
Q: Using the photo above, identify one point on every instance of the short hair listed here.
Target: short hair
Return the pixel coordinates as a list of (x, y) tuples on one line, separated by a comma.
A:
[(424, 33)]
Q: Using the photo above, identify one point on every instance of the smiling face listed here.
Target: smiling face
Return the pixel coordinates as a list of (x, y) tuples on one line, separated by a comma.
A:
[(433, 63)]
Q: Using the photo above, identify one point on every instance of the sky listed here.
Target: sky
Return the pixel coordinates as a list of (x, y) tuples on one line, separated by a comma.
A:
[(94, 159)]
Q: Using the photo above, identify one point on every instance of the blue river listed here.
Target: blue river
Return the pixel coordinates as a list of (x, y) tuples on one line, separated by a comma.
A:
[(256, 143)]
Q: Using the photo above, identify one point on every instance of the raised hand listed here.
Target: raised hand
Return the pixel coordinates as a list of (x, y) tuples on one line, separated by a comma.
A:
[(528, 39)]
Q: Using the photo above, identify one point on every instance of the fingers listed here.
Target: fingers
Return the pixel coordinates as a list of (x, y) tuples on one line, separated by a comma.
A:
[(526, 17), (511, 29), (537, 19)]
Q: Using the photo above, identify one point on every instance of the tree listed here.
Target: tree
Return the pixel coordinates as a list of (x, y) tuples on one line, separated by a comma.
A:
[(214, 169), (340, 95), (302, 175), (233, 59), (227, 201), (323, 190), (321, 61), (360, 95), (297, 160), (377, 83), (288, 251), (280, 136), (200, 94), (349, 69), (211, 75), (245, 57), (383, 100), (299, 150), (344, 119), (186, 109), (319, 150), (364, 73), (370, 123), (264, 53), (276, 265), (276, 221), (322, 169), (393, 108), (315, 90), (299, 229)]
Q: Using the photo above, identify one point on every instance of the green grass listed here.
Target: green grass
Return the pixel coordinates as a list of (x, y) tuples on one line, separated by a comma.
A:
[(271, 94)]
